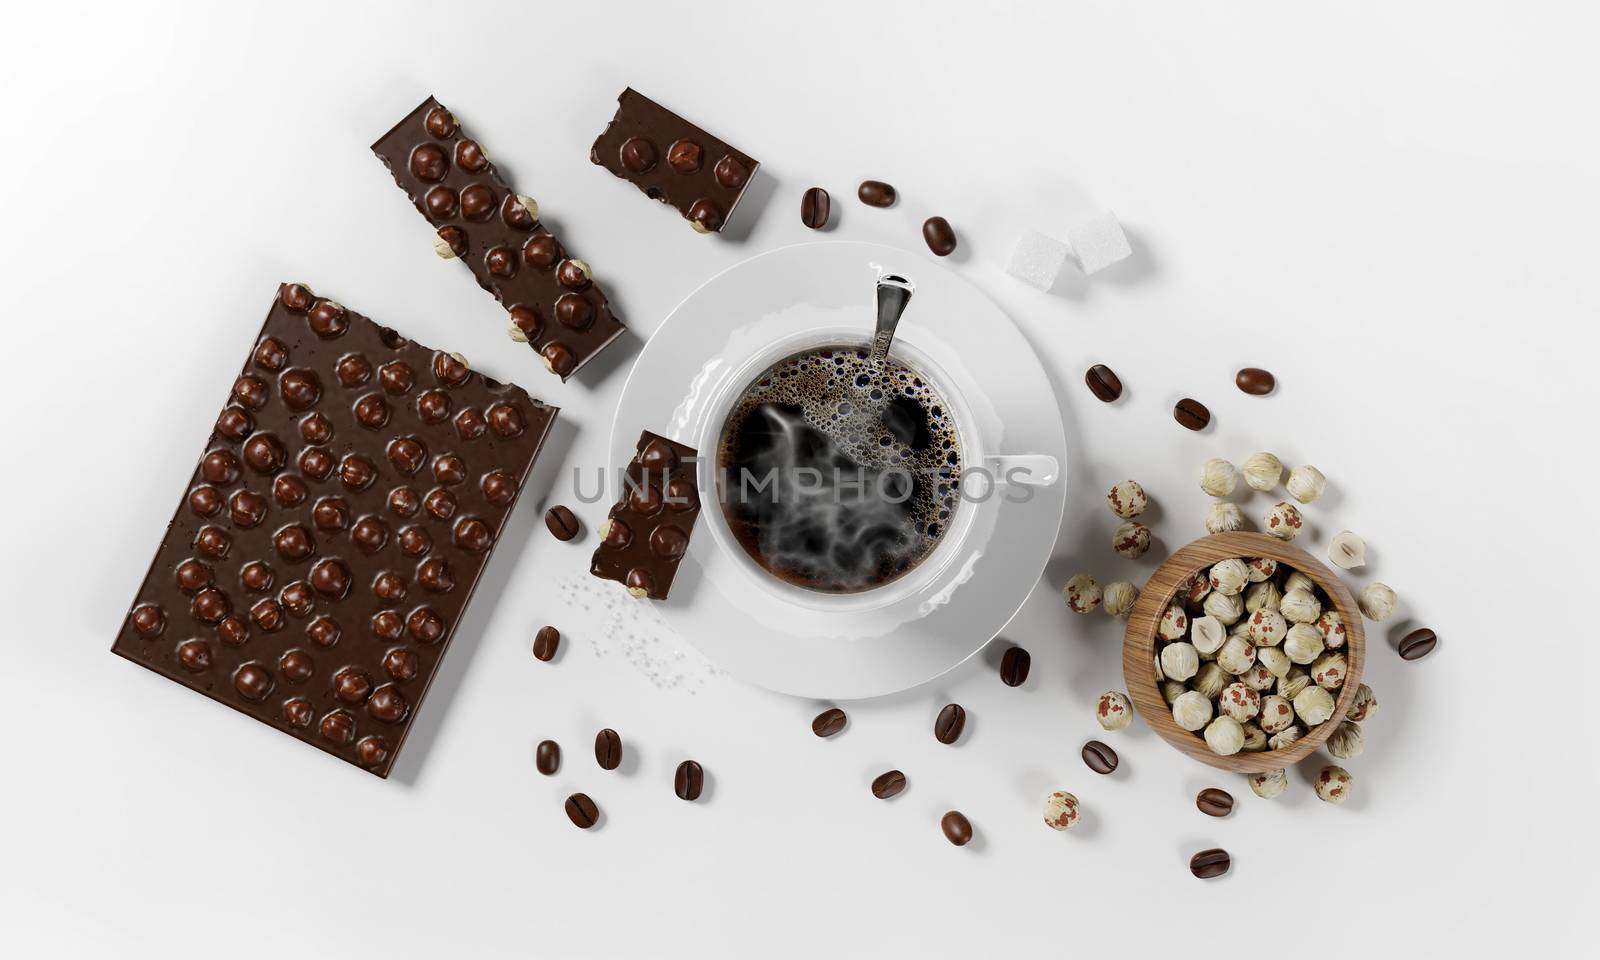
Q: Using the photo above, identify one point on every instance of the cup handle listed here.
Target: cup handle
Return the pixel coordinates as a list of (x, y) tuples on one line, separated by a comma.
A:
[(1024, 470)]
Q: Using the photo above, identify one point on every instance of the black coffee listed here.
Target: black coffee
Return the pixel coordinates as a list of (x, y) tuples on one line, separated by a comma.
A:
[(839, 474)]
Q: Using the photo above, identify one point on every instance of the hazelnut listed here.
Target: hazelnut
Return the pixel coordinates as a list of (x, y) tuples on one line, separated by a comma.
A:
[(1174, 623), (1283, 521), (1127, 499), (1082, 593), (1346, 741), (1218, 477), (1113, 710), (1131, 540), (1332, 784), (1228, 577), (1377, 602), (1364, 706), (1300, 606), (1179, 661), (1224, 736), (1313, 705), (1303, 644), (1262, 471), (1347, 551), (1275, 660), (1306, 483), (1270, 784), (1119, 598), (1192, 711), (1224, 517), (1211, 680)]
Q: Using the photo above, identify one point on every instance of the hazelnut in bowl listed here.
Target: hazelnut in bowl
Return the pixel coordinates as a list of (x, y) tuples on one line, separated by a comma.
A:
[(1244, 652)]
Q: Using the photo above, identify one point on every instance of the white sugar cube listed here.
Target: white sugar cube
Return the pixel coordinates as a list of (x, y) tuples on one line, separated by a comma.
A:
[(1098, 243), (1037, 259)]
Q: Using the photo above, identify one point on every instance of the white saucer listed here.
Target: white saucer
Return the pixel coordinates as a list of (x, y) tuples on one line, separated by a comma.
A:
[(717, 602)]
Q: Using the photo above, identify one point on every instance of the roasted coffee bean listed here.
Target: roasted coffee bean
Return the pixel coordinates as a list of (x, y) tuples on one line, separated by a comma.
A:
[(561, 521), (815, 207), (689, 780), (957, 828), (1014, 667), (1214, 802), (888, 783), (941, 239), (608, 749), (1418, 644), (547, 758), (1103, 382), (1191, 413), (1099, 757), (582, 811), (546, 642), (828, 722), (876, 193), (951, 721), (1210, 863), (1255, 381)]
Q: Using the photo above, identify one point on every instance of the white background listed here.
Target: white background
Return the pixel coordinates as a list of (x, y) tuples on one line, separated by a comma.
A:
[(1392, 206)]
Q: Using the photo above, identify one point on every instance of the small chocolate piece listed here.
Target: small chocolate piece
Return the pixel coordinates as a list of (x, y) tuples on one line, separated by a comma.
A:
[(688, 780), (957, 828), (815, 207), (876, 193), (561, 522), (1210, 863), (510, 255), (1099, 757), (1418, 644), (941, 239), (546, 642), (1214, 802), (281, 651), (582, 811), (1192, 414), (706, 193), (646, 534), (828, 722), (947, 726), (1255, 381), (1103, 383), (888, 784), (547, 757), (1014, 667), (608, 749)]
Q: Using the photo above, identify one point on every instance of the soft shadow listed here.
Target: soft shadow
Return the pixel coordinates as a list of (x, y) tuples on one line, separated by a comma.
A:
[(751, 206), (617, 354), (526, 517)]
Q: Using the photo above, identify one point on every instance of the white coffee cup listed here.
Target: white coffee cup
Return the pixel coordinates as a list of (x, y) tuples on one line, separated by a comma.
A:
[(989, 478)]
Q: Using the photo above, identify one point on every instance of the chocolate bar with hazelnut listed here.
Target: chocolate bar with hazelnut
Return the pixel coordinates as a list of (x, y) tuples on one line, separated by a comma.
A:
[(646, 534), (555, 305), (327, 545), (672, 160)]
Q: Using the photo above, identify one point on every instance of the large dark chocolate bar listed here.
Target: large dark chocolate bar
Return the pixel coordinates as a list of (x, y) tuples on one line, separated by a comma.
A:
[(555, 305), (328, 542), (646, 534), (674, 161)]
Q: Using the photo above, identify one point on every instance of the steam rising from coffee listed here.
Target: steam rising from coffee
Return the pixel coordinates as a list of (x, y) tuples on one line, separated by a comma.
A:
[(839, 474)]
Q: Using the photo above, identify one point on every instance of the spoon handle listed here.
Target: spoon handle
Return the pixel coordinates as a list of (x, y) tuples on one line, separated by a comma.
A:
[(893, 295)]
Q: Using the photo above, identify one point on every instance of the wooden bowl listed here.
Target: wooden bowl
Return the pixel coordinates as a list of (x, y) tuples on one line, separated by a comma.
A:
[(1139, 645)]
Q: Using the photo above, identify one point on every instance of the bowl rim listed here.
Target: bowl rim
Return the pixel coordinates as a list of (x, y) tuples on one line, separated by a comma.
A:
[(1139, 641)]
